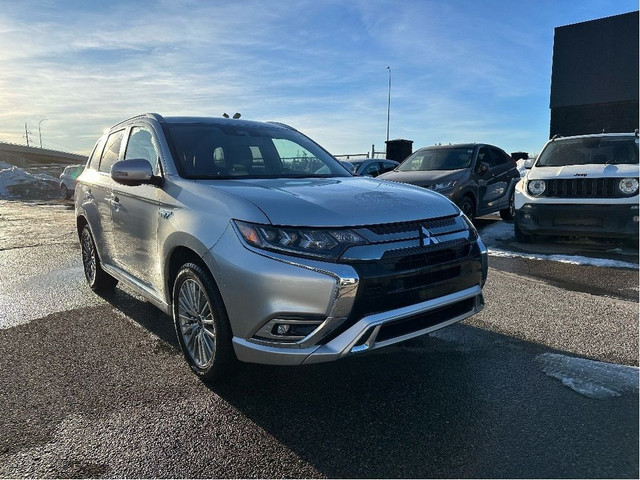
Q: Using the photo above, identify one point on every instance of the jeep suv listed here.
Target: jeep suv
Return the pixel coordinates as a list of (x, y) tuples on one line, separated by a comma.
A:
[(264, 248), (581, 186)]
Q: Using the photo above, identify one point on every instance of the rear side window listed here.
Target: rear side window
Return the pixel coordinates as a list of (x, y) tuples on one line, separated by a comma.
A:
[(94, 158), (500, 158), (111, 151)]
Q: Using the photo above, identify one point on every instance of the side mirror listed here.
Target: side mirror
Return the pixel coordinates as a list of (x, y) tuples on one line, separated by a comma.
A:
[(528, 163), (483, 168), (134, 172)]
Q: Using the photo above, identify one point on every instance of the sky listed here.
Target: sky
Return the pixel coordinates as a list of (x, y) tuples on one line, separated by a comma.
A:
[(461, 70)]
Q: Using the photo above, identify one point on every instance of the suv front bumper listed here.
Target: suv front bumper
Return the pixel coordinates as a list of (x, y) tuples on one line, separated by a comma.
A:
[(355, 306), (597, 220)]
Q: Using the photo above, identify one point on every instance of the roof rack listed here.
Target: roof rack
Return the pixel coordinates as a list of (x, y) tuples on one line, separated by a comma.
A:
[(284, 125), (155, 116)]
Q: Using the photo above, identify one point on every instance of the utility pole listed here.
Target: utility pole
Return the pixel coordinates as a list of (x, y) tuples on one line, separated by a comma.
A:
[(40, 131), (26, 133), (388, 103)]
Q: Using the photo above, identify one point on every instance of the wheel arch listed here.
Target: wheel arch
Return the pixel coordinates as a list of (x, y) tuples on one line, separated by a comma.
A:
[(177, 257)]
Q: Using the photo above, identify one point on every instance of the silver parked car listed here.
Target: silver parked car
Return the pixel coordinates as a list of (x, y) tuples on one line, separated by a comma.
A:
[(68, 179), (227, 226)]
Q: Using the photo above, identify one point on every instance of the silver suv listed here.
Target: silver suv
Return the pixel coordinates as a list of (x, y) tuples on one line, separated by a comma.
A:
[(264, 248)]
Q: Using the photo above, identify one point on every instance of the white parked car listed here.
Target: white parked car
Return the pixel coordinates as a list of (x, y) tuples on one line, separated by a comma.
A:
[(581, 186)]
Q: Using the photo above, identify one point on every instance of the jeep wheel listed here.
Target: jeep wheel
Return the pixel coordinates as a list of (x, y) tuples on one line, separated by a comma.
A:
[(97, 278), (201, 323)]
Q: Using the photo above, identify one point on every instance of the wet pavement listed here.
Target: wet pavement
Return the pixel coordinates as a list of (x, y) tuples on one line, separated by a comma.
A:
[(96, 386)]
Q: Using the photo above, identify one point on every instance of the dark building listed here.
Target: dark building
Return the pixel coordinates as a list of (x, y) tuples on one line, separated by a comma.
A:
[(594, 78)]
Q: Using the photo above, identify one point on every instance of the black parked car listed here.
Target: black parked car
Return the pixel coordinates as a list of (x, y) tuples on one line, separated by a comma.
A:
[(479, 178), (370, 167)]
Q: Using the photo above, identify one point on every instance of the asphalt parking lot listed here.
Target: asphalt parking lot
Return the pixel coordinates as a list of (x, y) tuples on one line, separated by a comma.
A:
[(542, 383)]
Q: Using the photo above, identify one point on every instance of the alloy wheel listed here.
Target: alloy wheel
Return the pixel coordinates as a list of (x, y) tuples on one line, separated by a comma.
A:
[(197, 325), (88, 257)]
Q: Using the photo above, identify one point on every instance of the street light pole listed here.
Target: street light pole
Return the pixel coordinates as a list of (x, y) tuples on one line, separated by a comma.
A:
[(40, 131), (388, 103)]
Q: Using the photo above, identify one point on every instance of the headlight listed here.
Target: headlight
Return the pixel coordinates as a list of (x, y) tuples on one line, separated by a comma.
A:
[(628, 186), (443, 186), (536, 187), (327, 244)]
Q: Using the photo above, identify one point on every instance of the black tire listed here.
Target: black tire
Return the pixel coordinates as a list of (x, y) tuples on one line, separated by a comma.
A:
[(204, 333), (521, 236), (97, 278), (66, 194), (468, 207), (509, 213)]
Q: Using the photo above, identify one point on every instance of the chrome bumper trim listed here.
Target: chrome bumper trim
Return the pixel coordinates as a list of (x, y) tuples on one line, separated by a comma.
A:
[(347, 343)]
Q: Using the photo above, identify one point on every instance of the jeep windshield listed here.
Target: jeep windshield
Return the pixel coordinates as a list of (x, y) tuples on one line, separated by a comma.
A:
[(590, 151), (437, 159), (214, 151)]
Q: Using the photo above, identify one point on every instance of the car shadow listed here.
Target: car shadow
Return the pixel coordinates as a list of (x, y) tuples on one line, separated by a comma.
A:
[(465, 403)]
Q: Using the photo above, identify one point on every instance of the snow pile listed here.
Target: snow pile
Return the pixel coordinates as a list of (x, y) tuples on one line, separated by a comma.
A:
[(501, 234), (15, 183), (588, 377), (520, 167)]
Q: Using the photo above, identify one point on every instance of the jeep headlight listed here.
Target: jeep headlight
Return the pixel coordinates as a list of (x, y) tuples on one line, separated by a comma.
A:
[(628, 186), (326, 244), (536, 187)]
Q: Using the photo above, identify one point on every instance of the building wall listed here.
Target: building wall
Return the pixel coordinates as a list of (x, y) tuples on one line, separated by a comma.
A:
[(597, 118), (594, 79)]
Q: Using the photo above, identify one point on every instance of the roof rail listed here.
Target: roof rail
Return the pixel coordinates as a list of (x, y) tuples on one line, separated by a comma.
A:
[(155, 116), (284, 125), (556, 136)]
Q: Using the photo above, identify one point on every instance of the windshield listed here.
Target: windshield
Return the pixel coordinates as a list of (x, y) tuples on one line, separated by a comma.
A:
[(209, 151), (590, 151), (437, 159)]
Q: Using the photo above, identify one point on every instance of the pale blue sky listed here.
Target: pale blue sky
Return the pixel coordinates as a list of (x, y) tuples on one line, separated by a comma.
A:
[(462, 70)]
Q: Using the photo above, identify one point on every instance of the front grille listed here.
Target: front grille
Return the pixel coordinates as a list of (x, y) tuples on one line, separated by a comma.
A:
[(432, 224), (583, 188), (416, 276), (420, 257)]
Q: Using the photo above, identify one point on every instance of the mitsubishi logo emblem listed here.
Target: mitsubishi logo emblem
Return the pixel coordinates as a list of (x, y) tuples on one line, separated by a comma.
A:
[(425, 237)]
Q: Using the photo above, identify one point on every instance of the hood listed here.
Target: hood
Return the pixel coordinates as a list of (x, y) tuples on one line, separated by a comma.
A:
[(583, 171), (424, 178), (336, 202)]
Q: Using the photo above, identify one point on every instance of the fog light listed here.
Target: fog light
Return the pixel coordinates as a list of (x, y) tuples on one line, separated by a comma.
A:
[(527, 216), (636, 218), (283, 329)]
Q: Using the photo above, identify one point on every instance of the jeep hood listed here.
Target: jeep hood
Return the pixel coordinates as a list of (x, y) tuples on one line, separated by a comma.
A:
[(336, 202), (583, 171)]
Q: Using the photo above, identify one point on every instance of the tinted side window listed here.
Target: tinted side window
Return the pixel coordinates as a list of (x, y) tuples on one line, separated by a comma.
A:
[(484, 155), (499, 157), (111, 151), (141, 145), (97, 152), (371, 170)]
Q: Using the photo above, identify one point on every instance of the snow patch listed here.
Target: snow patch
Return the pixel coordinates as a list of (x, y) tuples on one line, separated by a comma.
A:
[(503, 232), (590, 378), (15, 183), (572, 259)]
